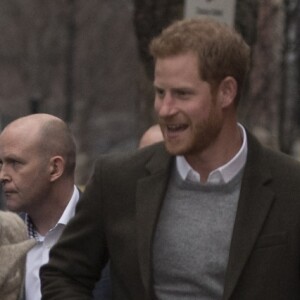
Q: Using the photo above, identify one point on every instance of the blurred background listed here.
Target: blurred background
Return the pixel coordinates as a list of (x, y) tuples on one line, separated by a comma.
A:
[(87, 62)]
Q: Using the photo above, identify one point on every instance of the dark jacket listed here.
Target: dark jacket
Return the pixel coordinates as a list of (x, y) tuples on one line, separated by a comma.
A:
[(118, 213)]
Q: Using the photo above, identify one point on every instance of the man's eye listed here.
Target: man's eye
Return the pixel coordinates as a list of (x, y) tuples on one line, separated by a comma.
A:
[(182, 93), (160, 93), (15, 163)]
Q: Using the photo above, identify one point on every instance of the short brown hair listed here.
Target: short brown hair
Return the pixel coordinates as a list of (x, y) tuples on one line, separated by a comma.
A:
[(220, 49)]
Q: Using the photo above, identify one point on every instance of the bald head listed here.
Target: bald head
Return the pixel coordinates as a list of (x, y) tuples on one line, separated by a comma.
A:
[(49, 134)]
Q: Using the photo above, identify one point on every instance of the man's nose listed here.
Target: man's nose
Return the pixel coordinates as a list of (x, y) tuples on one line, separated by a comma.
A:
[(166, 106), (4, 175)]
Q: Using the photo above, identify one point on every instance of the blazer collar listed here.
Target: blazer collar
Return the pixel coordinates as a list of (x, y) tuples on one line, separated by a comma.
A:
[(255, 201)]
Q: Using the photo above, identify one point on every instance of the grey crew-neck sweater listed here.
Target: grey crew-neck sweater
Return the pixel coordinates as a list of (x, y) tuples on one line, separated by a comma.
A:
[(192, 239)]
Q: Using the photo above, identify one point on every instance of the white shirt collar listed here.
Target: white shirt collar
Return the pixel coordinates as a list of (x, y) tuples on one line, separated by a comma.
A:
[(220, 175), (69, 211)]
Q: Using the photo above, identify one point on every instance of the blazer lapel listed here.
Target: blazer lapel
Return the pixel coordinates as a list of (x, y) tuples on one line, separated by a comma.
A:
[(149, 196), (255, 201)]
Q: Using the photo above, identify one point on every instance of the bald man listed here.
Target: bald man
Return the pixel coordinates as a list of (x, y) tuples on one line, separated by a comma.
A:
[(37, 159)]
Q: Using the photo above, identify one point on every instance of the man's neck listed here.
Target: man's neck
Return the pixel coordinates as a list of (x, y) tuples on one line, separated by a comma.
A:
[(46, 216)]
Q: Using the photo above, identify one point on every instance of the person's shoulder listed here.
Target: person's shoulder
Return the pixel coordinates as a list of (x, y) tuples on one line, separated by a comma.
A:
[(281, 166), (131, 164), (279, 159), (135, 155), (11, 220), (130, 160), (267, 154), (12, 227), (283, 169)]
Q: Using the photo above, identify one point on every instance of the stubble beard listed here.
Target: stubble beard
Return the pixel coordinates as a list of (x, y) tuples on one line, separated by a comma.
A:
[(203, 135)]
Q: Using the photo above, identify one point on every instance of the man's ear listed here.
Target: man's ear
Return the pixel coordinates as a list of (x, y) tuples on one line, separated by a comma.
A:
[(57, 166), (228, 91)]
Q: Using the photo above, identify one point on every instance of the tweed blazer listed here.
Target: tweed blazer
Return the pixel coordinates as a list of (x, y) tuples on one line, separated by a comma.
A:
[(117, 216)]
